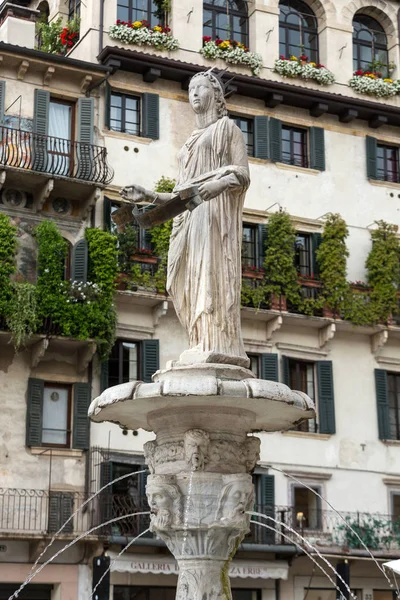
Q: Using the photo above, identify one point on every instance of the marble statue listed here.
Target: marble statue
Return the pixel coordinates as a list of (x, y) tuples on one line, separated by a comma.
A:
[(196, 442), (164, 500), (204, 261)]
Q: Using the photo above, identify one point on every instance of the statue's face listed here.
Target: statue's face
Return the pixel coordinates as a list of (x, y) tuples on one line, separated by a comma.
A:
[(201, 94), (158, 499)]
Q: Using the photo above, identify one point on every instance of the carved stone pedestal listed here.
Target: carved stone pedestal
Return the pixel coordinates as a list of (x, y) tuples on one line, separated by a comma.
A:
[(200, 485)]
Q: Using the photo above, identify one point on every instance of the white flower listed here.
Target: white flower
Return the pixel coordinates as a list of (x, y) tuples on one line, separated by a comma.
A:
[(46, 271), (143, 37), (232, 55), (294, 68), (374, 87)]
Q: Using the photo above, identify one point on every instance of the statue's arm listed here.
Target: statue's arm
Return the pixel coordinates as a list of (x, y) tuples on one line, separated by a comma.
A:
[(137, 194)]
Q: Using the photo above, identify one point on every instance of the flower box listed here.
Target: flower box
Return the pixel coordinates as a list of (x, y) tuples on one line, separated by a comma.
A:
[(278, 302), (328, 313), (300, 67), (373, 84), (145, 258), (231, 52), (252, 274), (311, 283), (140, 33)]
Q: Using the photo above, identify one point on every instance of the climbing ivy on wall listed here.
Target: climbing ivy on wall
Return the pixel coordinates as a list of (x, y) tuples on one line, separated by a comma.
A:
[(8, 249)]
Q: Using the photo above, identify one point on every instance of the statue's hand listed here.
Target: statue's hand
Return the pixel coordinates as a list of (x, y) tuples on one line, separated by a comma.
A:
[(211, 189), (137, 193)]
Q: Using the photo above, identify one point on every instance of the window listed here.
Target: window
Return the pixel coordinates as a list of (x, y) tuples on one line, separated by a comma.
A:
[(294, 146), (226, 19), (74, 9), (255, 364), (60, 131), (303, 254), (369, 45), (246, 126), (249, 246), (302, 378), (137, 10), (169, 593), (125, 113), (123, 363), (56, 424), (393, 385), (306, 508), (395, 508), (387, 166), (57, 414), (298, 30)]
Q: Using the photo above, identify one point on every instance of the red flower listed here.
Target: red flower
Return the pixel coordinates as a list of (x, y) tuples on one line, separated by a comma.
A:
[(303, 57), (206, 38), (118, 21), (282, 57), (146, 23), (218, 41)]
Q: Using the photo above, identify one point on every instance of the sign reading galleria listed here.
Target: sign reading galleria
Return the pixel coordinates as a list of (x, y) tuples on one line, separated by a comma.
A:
[(254, 569)]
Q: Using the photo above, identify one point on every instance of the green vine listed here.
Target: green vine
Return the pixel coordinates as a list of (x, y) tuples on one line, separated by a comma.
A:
[(376, 533), (160, 236), (332, 257), (22, 318), (8, 248)]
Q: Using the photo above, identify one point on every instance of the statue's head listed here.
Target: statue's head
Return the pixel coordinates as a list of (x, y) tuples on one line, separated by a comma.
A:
[(196, 442), (206, 92), (164, 499)]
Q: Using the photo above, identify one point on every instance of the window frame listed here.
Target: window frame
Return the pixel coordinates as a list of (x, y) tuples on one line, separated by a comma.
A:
[(74, 9), (305, 425), (232, 12), (257, 359), (285, 28), (385, 176), (149, 14), (68, 387), (139, 359), (358, 44), (124, 97), (250, 147), (305, 146), (254, 243), (319, 488), (309, 251)]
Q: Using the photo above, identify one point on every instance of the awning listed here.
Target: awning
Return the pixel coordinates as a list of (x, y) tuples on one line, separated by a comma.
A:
[(166, 565)]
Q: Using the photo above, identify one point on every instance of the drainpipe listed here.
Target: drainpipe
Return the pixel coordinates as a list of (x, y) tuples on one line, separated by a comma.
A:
[(277, 589), (101, 25)]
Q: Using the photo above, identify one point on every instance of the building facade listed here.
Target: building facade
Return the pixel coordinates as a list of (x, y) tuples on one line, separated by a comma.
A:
[(321, 140)]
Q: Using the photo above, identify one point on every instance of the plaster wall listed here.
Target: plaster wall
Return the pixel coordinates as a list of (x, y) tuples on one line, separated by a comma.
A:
[(63, 577)]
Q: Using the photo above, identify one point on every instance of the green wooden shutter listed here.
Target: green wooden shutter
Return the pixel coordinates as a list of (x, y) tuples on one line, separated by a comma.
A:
[(106, 214), (269, 367), (103, 376), (316, 240), (267, 489), (106, 476), (79, 266), (150, 359), (382, 404), (61, 505), (317, 148), (326, 399), (261, 141), (2, 99), (275, 139), (34, 412), (151, 116), (371, 154), (262, 236), (285, 370), (85, 120), (80, 430), (40, 130)]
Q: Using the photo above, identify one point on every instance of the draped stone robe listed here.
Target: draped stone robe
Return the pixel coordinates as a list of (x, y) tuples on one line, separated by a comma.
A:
[(204, 261)]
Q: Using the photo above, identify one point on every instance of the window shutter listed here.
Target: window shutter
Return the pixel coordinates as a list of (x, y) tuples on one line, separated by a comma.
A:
[(80, 430), (34, 412), (79, 265), (150, 359), (371, 152), (267, 489), (107, 99), (285, 371), (106, 214), (61, 506), (326, 400), (106, 476), (103, 376), (316, 240), (382, 404), (40, 129), (2, 99), (269, 367), (317, 148), (261, 141), (262, 243), (150, 116), (275, 139), (85, 120)]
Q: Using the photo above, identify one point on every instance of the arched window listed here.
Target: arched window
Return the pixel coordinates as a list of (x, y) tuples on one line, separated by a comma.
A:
[(226, 19), (298, 30), (369, 45)]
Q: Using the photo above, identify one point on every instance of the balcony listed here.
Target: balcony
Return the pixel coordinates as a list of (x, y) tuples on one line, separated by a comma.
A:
[(33, 513), (55, 157)]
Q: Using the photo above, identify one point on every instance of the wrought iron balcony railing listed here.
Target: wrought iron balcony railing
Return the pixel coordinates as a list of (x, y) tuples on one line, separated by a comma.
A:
[(54, 156), (41, 512)]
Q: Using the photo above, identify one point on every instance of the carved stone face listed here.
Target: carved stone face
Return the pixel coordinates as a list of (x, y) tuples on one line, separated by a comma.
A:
[(161, 507), (201, 94)]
